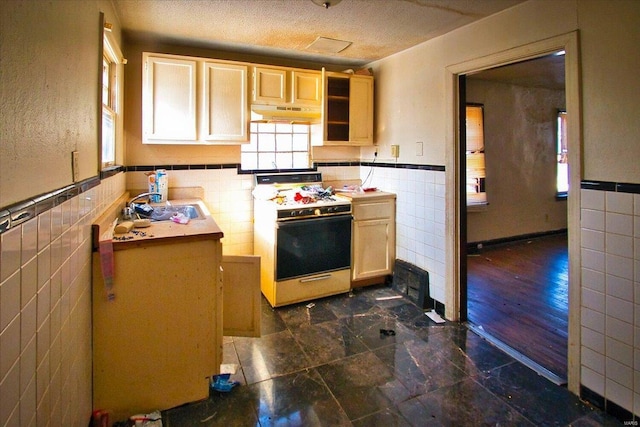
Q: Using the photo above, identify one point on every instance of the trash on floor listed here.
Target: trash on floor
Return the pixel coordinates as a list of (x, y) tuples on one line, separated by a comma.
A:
[(153, 419), (222, 383), (387, 332), (435, 316), (228, 368), (387, 298)]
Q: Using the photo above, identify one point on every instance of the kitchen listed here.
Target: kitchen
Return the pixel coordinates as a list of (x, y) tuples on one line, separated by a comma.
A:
[(409, 109)]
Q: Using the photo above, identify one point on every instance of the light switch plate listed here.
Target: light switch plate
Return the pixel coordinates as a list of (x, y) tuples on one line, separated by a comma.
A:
[(395, 151)]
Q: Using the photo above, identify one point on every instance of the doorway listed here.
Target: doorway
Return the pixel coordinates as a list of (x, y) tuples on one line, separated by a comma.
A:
[(516, 218), (457, 222)]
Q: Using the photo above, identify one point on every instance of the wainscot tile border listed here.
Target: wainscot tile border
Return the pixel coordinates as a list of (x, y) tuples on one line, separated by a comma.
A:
[(14, 215), (619, 187)]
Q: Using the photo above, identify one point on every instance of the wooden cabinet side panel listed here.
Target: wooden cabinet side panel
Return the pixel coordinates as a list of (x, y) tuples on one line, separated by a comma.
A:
[(225, 102), (241, 295), (156, 343)]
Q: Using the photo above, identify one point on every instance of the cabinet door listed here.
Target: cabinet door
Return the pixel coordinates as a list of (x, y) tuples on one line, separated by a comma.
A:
[(241, 295), (372, 243), (169, 99), (361, 110), (269, 86), (306, 88), (225, 116)]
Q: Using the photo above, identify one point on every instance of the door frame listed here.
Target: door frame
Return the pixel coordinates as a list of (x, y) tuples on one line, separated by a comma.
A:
[(455, 229)]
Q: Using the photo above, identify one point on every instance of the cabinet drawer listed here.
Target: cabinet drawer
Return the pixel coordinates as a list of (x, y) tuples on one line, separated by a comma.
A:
[(373, 210)]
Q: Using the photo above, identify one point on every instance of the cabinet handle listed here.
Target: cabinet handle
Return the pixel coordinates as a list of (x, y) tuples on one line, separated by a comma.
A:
[(315, 279)]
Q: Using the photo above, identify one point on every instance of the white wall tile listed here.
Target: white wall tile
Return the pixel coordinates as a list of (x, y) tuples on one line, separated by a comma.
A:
[(9, 300), (593, 380), (593, 300), (592, 219), (593, 319), (619, 202), (618, 329), (619, 266), (621, 395), (594, 340), (620, 352), (592, 199), (593, 279), (10, 252), (619, 223), (592, 239), (620, 287), (29, 240), (617, 244), (593, 260), (620, 309), (593, 360)]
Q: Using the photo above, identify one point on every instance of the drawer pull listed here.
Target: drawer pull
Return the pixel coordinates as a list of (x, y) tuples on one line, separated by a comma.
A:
[(315, 279)]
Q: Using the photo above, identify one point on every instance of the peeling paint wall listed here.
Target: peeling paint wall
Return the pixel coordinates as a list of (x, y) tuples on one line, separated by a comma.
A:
[(520, 146)]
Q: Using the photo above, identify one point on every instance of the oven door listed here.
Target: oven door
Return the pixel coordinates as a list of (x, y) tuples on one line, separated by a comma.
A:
[(310, 246)]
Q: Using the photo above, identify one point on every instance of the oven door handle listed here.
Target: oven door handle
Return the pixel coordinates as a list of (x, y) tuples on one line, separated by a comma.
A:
[(316, 278), (300, 222)]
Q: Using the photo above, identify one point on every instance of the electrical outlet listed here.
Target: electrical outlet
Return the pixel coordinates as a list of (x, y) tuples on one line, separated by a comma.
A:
[(75, 168), (395, 151), (419, 148)]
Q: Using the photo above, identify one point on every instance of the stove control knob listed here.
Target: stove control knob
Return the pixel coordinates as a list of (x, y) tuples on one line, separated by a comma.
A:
[(317, 212), (292, 213)]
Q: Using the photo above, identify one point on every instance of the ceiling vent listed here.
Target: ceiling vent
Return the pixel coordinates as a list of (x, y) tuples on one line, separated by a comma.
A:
[(327, 45)]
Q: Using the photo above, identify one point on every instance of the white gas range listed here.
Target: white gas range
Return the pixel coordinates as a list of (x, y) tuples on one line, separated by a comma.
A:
[(302, 231)]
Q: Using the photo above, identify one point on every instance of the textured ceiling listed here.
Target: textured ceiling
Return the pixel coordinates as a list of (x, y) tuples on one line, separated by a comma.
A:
[(284, 28)]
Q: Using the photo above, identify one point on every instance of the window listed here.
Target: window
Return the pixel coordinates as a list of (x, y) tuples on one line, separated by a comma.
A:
[(562, 166), (476, 194), (276, 146), (111, 96)]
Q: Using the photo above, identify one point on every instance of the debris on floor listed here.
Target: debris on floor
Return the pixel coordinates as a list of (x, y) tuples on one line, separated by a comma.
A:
[(222, 383), (434, 316)]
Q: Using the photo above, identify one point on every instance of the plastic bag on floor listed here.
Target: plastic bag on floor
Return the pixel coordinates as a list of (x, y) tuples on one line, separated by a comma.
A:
[(154, 419)]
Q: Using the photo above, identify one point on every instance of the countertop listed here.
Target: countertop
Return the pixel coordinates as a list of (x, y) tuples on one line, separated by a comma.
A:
[(159, 231), (367, 195)]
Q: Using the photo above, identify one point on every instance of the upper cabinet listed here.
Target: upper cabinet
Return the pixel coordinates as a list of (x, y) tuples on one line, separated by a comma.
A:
[(169, 99), (226, 111), (279, 86), (193, 101), (348, 110), (188, 100)]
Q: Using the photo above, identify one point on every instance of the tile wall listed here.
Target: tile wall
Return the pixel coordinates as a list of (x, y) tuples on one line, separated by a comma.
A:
[(610, 317), (420, 218), (45, 312), (227, 194)]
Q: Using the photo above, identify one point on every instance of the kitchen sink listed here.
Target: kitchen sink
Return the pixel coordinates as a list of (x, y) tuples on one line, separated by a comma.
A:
[(164, 212)]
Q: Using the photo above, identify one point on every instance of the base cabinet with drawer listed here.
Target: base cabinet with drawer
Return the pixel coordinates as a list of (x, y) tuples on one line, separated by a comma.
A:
[(373, 238)]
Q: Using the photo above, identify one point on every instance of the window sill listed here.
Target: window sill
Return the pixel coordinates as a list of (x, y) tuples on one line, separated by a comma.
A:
[(478, 207)]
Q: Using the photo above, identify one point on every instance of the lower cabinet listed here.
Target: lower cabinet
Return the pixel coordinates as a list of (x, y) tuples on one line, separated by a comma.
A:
[(373, 241), (157, 343)]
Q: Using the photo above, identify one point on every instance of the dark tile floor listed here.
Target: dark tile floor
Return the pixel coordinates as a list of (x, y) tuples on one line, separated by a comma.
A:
[(329, 365)]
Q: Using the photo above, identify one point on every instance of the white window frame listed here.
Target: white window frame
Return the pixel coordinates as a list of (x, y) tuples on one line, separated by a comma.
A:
[(111, 115), (277, 146), (562, 152), (476, 166)]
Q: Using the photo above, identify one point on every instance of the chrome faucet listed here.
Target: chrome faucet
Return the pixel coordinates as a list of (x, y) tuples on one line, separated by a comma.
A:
[(140, 196)]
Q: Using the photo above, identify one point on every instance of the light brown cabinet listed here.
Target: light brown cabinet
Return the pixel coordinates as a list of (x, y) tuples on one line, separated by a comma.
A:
[(193, 101), (373, 238), (348, 110), (281, 86)]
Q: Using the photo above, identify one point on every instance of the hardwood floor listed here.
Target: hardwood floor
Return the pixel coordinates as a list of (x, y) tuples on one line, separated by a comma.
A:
[(518, 293)]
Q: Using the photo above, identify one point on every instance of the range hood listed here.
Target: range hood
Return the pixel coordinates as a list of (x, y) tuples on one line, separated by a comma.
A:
[(290, 113)]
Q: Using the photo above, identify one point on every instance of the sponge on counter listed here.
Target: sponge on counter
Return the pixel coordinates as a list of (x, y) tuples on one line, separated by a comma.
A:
[(123, 227)]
